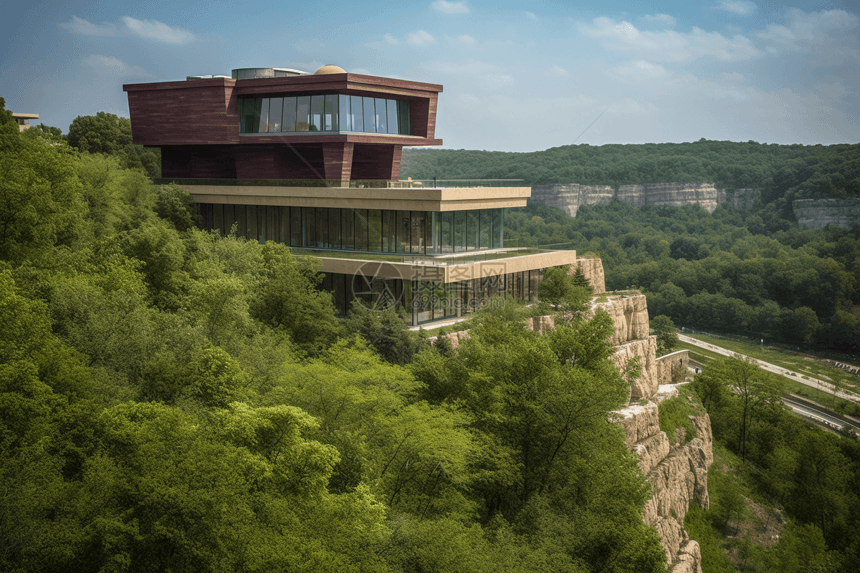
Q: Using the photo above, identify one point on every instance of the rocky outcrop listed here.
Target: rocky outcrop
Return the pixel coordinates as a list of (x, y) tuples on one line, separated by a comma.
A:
[(570, 197), (629, 314), (678, 476), (818, 213), (649, 378), (593, 271), (739, 198)]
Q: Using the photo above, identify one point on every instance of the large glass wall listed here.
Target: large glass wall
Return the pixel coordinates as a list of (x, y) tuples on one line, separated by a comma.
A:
[(370, 230), (323, 113), (426, 301)]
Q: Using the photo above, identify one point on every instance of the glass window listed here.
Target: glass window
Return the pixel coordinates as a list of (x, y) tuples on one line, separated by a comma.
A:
[(303, 113), (403, 113), (485, 229), (276, 106), (404, 232), (459, 231), (289, 118), (355, 113), (445, 223), (392, 116), (496, 232), (374, 226), (388, 231), (330, 120), (251, 115), (361, 229), (295, 226), (317, 108), (322, 228), (308, 227), (348, 230), (334, 228), (472, 227), (264, 116), (381, 116), (418, 236), (369, 115), (345, 118), (424, 301)]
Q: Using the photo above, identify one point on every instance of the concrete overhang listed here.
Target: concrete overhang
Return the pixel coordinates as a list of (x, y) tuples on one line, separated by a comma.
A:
[(414, 199), (439, 272)]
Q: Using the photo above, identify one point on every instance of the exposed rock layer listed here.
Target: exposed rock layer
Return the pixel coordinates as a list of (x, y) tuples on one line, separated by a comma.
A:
[(818, 213), (629, 315), (593, 271), (569, 197)]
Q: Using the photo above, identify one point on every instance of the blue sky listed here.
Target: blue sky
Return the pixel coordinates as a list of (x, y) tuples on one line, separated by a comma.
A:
[(517, 76)]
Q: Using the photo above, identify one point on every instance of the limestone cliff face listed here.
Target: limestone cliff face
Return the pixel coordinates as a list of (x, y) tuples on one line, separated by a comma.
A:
[(649, 379), (593, 271), (630, 316), (818, 213), (678, 476), (569, 197)]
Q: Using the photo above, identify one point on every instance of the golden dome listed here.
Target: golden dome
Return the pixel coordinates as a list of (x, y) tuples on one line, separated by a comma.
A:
[(329, 69)]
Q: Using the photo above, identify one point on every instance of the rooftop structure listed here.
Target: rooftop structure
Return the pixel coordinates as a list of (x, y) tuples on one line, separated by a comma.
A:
[(23, 120), (313, 161)]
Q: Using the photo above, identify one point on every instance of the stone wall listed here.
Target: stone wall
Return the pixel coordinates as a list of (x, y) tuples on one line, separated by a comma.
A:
[(818, 213)]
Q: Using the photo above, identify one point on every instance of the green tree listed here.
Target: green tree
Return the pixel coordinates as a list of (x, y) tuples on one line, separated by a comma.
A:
[(667, 334)]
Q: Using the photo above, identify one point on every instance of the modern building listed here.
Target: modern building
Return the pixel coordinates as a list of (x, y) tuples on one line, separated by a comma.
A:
[(23, 120), (313, 161)]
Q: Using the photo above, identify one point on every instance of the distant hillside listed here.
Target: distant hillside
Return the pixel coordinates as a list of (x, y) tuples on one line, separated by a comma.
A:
[(790, 171)]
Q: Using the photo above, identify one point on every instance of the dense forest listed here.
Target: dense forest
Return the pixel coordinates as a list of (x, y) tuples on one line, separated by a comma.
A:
[(772, 467), (175, 400), (724, 271), (780, 171)]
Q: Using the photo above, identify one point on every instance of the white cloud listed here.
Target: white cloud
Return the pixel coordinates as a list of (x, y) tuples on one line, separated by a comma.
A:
[(158, 31), (831, 33), (558, 72), (450, 7), (114, 66), (661, 19), (669, 45), (531, 16), (147, 29), (420, 38), (739, 7), (390, 39), (639, 72), (466, 40), (86, 28)]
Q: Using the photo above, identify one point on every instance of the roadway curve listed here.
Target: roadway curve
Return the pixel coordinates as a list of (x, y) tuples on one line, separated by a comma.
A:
[(797, 377)]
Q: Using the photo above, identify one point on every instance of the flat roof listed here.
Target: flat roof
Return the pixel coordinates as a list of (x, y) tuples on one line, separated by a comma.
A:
[(437, 199), (18, 115)]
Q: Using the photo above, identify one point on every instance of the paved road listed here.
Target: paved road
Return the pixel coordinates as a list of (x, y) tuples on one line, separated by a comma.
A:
[(818, 413), (796, 376)]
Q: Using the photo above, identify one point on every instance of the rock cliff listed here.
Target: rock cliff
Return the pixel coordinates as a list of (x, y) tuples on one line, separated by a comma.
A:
[(569, 197), (678, 473), (593, 271), (818, 213), (630, 316)]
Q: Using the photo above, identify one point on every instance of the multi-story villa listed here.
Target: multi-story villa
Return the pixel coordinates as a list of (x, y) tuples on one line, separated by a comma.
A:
[(313, 161)]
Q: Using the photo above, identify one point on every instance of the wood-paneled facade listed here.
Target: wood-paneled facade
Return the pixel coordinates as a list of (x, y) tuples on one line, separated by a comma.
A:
[(196, 125)]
